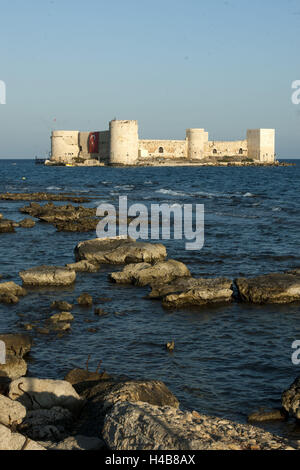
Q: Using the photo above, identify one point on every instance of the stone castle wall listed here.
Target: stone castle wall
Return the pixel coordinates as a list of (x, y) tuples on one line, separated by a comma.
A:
[(120, 145)]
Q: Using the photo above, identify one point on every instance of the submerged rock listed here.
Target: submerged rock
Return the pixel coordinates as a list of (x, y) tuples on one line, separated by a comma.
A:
[(119, 251), (143, 274), (42, 393), (291, 399), (42, 197), (263, 416), (85, 300), (63, 306), (140, 426), (191, 291), (27, 223), (42, 276), (277, 288)]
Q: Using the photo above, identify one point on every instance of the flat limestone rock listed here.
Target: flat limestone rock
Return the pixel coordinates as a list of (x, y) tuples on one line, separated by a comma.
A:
[(276, 288), (14, 441), (119, 251), (140, 426), (143, 274), (17, 344), (11, 412), (42, 393), (191, 291), (43, 276)]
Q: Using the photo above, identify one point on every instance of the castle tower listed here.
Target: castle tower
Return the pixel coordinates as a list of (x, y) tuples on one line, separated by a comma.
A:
[(261, 145), (196, 139), (124, 142), (64, 146)]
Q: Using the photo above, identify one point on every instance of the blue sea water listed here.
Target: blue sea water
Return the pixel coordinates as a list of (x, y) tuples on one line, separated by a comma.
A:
[(229, 360)]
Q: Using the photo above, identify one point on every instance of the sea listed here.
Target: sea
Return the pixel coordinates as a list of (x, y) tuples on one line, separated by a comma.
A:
[(229, 360)]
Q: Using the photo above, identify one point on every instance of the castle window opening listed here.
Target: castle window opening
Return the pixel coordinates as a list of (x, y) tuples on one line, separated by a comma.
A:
[(241, 152), (161, 150), (215, 151)]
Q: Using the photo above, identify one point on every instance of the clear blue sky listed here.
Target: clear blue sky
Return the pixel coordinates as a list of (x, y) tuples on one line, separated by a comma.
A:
[(223, 65)]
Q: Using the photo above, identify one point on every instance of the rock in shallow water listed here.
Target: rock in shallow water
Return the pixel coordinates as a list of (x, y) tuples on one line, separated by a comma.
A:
[(276, 288), (143, 274), (119, 251), (10, 292), (191, 291), (43, 276)]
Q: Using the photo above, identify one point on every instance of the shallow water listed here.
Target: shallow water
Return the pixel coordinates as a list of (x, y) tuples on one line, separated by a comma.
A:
[(229, 360)]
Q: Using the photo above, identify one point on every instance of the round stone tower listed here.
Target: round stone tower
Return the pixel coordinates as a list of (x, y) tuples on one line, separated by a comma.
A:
[(124, 142), (196, 138), (64, 146)]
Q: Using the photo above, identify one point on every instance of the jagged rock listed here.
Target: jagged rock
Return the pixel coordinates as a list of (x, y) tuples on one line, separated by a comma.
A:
[(17, 344), (48, 276), (46, 424), (272, 415), (14, 368), (27, 223), (85, 300), (38, 393), (119, 251), (291, 399), (61, 326), (10, 292), (6, 226), (272, 288), (11, 412), (62, 306), (14, 441), (143, 274), (61, 317), (84, 267), (100, 312), (191, 291), (79, 443), (140, 426)]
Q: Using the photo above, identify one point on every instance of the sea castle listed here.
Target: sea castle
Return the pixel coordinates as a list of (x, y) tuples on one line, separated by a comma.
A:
[(120, 145)]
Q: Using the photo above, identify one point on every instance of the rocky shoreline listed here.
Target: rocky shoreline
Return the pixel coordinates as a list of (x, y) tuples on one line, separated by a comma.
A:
[(91, 410), (94, 411)]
